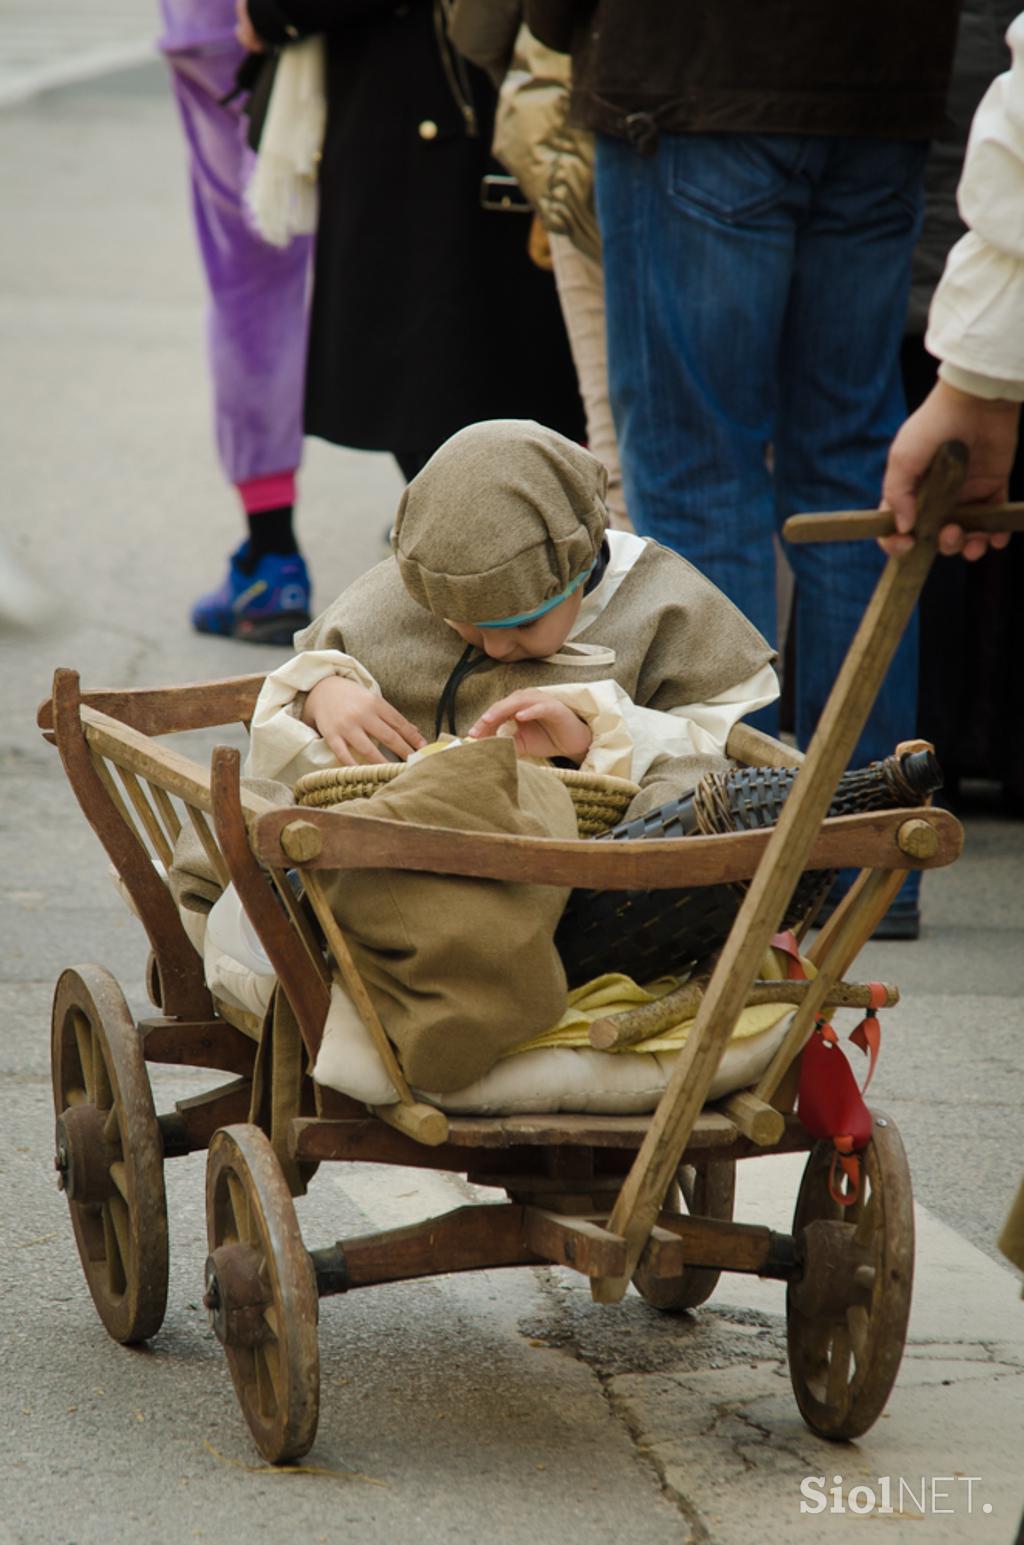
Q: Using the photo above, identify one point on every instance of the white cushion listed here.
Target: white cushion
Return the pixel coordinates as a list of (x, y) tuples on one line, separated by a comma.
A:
[(194, 923), (538, 1082), (541, 1082), (348, 1060)]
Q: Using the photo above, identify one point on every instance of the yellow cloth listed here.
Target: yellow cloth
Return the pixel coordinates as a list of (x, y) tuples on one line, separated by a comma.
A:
[(615, 994)]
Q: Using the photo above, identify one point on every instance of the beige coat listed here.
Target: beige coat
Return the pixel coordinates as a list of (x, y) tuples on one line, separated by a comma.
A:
[(553, 163)]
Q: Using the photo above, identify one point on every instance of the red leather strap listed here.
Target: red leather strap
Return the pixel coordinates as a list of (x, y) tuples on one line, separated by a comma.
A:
[(829, 1103), (830, 1106), (868, 1036), (786, 942), (850, 1166)]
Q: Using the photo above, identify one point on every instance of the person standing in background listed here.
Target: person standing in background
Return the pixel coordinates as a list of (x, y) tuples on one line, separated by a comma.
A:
[(427, 313), (759, 172), (972, 646), (256, 333), (554, 167), (976, 332), (975, 328)]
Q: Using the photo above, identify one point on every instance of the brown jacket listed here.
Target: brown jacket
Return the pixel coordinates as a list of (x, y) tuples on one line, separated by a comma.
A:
[(641, 67)]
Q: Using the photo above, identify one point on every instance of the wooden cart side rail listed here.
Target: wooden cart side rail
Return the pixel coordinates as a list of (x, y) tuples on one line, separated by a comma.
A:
[(491, 1144), (170, 710), (305, 987), (210, 1043), (294, 953), (335, 839), (183, 990), (168, 769)]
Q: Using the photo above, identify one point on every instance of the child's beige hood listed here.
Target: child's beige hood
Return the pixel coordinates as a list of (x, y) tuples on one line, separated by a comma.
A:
[(501, 519)]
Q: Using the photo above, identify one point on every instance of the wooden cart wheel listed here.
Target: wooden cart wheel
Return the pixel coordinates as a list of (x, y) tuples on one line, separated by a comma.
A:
[(109, 1152), (261, 1293), (703, 1191), (846, 1317)]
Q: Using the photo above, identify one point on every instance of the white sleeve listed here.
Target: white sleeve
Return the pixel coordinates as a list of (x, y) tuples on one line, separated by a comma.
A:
[(628, 740), (976, 321), (280, 745), (603, 706)]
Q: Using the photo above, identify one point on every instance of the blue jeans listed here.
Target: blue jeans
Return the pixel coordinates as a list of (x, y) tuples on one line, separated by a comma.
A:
[(756, 287)]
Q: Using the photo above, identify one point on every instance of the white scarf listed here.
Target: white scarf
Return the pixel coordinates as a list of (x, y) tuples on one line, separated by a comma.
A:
[(282, 191)]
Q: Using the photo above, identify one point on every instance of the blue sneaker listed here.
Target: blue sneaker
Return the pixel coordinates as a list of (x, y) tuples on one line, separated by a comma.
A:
[(264, 604)]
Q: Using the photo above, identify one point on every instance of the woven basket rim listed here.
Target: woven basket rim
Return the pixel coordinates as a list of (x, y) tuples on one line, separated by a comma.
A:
[(384, 772)]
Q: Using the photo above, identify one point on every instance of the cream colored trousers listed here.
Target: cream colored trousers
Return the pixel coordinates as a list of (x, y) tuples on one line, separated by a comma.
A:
[(580, 282)]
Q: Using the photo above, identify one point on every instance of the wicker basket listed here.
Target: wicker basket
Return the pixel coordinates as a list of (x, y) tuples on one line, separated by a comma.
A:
[(600, 802), (648, 933)]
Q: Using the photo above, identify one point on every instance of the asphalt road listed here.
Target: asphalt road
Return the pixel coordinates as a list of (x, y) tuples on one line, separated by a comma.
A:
[(502, 1403)]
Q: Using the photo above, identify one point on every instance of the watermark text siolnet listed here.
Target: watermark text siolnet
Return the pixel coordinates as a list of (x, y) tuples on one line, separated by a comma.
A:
[(923, 1495)]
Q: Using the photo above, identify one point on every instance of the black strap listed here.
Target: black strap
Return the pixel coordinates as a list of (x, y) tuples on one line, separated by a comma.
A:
[(596, 574), (464, 666)]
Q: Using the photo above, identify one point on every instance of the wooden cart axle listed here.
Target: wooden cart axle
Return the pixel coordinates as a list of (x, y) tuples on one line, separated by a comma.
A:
[(491, 1234)]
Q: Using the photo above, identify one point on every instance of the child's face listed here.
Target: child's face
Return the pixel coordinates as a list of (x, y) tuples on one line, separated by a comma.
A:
[(531, 641)]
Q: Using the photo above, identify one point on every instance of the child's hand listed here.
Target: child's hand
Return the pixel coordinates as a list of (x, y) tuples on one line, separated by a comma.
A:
[(245, 32), (355, 722), (544, 726)]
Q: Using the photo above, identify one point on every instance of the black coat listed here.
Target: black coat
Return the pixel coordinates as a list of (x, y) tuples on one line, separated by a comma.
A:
[(427, 313)]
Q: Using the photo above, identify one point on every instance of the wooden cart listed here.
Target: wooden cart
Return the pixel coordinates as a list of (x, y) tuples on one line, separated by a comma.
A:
[(619, 1199)]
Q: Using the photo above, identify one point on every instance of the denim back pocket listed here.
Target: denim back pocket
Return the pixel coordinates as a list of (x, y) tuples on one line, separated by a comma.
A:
[(732, 176)]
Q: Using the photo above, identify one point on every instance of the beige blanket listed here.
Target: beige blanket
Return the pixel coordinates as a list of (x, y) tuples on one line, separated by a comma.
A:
[(460, 970)]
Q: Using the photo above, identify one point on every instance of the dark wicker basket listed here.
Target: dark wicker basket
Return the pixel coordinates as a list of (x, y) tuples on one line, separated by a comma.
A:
[(646, 934)]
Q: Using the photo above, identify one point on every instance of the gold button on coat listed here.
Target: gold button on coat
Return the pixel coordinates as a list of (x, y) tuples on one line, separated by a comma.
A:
[(428, 129)]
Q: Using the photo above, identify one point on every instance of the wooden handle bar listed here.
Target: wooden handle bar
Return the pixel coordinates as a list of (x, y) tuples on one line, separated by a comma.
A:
[(842, 719), (849, 525), (635, 1025)]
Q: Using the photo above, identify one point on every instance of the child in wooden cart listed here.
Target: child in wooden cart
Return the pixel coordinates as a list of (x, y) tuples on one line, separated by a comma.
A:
[(510, 604), (508, 609)]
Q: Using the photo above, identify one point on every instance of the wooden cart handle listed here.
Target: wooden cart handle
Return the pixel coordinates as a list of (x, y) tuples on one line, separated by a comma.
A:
[(849, 525), (636, 1211)]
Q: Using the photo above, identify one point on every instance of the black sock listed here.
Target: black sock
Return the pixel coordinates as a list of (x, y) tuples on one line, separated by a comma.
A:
[(270, 531)]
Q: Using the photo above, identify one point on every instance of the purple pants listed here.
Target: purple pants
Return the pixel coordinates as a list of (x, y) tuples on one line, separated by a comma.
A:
[(258, 293)]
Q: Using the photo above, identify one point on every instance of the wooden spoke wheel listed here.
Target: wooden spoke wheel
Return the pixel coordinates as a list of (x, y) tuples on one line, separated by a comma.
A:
[(702, 1191), (261, 1293), (846, 1317), (109, 1152)]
